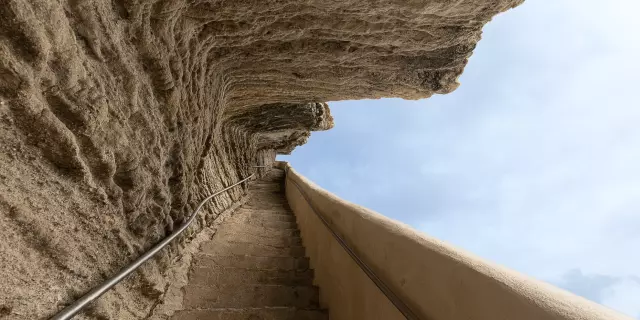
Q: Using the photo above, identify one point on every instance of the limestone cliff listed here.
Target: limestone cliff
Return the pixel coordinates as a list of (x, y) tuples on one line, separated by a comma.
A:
[(117, 116)]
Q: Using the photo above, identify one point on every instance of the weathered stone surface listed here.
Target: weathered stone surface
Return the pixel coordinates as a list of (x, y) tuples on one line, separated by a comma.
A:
[(282, 126), (116, 117)]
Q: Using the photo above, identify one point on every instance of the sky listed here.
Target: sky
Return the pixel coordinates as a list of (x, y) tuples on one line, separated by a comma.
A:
[(534, 162)]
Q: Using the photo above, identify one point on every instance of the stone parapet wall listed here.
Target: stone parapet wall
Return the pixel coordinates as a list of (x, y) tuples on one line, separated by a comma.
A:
[(434, 279)]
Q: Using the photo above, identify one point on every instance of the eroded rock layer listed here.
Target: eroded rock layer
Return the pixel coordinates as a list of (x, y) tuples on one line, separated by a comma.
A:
[(117, 117)]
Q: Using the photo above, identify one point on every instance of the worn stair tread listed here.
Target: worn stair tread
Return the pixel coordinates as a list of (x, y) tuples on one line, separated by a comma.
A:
[(272, 215), (207, 275), (263, 239), (279, 209), (268, 200), (245, 216), (272, 198), (268, 189), (259, 223), (251, 262), (226, 247), (241, 232), (276, 209), (259, 230), (249, 295), (265, 313), (272, 224)]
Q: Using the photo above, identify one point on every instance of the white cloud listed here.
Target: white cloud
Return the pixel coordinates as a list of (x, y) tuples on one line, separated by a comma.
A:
[(619, 293), (625, 296)]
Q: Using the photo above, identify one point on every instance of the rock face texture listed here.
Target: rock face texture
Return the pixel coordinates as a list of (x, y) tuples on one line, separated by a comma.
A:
[(116, 117)]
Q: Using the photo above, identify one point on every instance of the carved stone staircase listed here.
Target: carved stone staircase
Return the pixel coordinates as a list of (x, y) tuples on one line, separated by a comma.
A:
[(255, 265)]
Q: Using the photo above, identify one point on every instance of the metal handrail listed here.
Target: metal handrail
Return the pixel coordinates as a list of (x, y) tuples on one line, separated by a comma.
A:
[(78, 305), (384, 288)]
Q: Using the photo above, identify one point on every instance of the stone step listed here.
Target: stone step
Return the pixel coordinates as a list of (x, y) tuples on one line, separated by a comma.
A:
[(251, 262), (270, 187), (274, 313), (268, 190), (272, 205), (249, 226), (221, 247), (275, 210), (268, 182), (259, 230), (261, 214), (251, 295), (271, 224), (265, 239), (272, 215), (259, 222), (265, 197), (207, 275)]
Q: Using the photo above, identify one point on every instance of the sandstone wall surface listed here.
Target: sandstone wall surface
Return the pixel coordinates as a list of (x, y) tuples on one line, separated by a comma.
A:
[(117, 117)]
